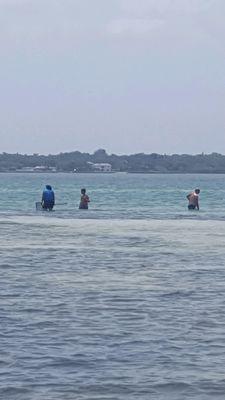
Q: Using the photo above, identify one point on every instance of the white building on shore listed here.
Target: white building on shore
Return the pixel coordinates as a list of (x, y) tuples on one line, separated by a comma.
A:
[(101, 167)]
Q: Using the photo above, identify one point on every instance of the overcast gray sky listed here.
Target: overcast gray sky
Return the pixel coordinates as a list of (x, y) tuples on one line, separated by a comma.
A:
[(124, 75)]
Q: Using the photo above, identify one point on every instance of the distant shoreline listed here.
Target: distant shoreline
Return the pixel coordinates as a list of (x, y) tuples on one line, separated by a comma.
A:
[(101, 162), (112, 173)]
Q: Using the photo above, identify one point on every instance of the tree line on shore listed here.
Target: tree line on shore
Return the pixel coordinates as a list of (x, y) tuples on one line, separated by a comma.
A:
[(140, 163)]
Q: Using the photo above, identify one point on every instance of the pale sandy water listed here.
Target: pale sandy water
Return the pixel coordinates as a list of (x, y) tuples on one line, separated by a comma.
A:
[(125, 307)]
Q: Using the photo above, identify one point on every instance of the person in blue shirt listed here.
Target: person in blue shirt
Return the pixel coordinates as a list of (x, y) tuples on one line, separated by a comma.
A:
[(48, 198)]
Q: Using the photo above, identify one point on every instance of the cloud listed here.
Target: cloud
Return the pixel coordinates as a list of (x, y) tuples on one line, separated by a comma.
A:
[(181, 22), (46, 24), (133, 26), (165, 8), (13, 2), (52, 22), (101, 67)]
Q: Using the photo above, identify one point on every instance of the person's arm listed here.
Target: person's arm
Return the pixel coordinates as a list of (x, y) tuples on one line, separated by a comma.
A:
[(197, 204), (188, 196)]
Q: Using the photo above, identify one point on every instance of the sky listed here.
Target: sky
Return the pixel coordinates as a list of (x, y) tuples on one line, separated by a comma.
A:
[(128, 76)]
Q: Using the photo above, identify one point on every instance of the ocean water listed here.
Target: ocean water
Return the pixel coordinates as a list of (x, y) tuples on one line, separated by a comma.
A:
[(122, 301)]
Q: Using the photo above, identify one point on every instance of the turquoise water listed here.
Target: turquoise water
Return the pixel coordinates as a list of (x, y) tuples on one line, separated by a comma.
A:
[(123, 301), (117, 196)]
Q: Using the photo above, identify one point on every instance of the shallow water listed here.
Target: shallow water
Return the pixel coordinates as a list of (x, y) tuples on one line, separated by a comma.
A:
[(123, 301)]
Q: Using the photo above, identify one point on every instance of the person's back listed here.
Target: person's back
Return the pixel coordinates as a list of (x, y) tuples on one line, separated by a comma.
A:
[(84, 200), (48, 198), (193, 200)]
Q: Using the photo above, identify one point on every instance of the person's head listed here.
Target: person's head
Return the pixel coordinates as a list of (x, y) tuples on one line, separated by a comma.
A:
[(197, 191), (48, 187), (83, 191)]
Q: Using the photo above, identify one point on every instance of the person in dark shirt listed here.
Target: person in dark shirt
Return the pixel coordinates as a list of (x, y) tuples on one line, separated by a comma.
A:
[(84, 200)]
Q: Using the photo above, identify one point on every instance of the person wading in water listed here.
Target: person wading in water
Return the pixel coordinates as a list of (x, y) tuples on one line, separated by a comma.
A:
[(84, 200), (48, 198), (193, 201)]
